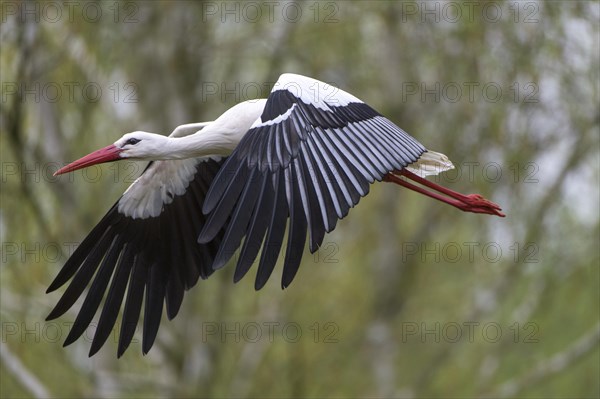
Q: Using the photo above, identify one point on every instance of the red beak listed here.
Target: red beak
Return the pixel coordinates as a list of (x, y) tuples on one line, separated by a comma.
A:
[(106, 154)]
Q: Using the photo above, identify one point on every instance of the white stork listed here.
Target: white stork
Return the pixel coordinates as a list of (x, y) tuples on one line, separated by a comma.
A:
[(301, 158)]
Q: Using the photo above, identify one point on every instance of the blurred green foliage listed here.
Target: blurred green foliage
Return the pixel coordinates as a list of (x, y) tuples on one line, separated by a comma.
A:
[(407, 297)]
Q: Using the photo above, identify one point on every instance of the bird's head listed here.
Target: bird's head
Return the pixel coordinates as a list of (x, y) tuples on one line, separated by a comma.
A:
[(135, 145)]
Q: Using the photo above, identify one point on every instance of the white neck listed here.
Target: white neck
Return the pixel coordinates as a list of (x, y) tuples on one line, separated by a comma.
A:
[(201, 144), (216, 138)]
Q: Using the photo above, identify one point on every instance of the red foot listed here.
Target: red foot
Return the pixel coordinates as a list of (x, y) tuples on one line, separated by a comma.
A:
[(477, 204)]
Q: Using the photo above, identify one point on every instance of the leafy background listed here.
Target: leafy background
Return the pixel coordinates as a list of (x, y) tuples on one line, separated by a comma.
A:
[(407, 297)]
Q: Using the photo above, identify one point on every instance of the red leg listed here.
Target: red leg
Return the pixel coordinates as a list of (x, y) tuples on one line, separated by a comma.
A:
[(469, 203)]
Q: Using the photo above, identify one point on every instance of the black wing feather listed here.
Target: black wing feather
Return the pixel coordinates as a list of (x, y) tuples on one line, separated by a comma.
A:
[(114, 299), (96, 292), (133, 303), (158, 256), (316, 159), (155, 295), (297, 229), (256, 229), (239, 222), (80, 254), (312, 207), (276, 231), (82, 277)]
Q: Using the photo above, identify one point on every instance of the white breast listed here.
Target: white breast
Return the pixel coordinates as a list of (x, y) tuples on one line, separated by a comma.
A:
[(157, 186)]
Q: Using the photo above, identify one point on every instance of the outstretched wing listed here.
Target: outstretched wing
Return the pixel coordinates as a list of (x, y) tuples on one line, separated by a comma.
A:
[(145, 247), (309, 158)]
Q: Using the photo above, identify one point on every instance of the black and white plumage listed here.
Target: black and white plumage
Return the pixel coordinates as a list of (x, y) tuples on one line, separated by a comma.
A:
[(300, 159), (304, 157), (153, 257)]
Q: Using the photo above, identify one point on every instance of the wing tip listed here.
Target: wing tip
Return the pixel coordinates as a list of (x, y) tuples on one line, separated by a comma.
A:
[(51, 288), (55, 313)]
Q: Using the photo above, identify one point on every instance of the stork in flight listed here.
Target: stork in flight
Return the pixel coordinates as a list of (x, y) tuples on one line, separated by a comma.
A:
[(302, 158)]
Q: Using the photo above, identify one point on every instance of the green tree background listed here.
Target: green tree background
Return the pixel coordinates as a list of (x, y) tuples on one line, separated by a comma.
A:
[(407, 297)]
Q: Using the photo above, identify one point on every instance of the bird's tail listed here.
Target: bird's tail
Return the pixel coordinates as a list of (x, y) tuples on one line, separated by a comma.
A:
[(430, 163)]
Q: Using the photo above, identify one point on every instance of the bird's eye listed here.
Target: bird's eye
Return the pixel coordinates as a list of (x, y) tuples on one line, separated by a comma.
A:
[(132, 141)]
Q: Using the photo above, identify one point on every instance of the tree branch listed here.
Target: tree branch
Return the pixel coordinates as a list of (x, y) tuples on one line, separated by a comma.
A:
[(547, 367), (15, 367)]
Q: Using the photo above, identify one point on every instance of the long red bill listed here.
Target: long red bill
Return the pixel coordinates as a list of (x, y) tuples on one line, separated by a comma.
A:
[(106, 154)]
